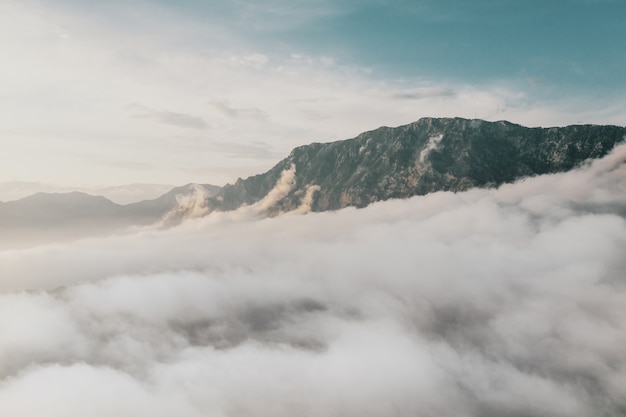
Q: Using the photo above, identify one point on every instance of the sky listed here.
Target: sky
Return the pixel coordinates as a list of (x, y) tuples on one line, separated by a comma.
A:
[(492, 302), (97, 94)]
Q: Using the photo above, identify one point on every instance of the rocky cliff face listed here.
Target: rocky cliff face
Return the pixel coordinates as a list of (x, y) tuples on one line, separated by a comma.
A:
[(449, 154)]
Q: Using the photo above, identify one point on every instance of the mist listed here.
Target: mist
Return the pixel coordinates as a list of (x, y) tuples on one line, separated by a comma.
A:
[(491, 302)]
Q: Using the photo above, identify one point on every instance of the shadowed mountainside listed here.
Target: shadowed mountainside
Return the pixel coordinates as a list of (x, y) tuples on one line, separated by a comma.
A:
[(448, 154)]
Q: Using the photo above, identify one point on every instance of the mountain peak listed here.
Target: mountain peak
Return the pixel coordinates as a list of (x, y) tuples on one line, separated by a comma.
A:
[(431, 154)]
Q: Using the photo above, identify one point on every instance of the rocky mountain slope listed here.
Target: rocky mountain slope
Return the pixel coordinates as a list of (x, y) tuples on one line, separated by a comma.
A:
[(447, 154)]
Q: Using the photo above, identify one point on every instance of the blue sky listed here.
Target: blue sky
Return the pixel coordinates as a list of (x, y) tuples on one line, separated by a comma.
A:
[(206, 91)]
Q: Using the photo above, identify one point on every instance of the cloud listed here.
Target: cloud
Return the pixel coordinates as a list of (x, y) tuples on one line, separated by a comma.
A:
[(188, 206), (433, 143), (500, 302), (103, 392), (226, 110), (255, 61), (280, 15), (422, 93), (205, 84), (284, 185), (182, 120), (254, 150), (306, 202)]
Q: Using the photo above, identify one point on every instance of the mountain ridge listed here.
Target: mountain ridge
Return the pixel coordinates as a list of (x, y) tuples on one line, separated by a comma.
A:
[(120, 194), (431, 154), (45, 217)]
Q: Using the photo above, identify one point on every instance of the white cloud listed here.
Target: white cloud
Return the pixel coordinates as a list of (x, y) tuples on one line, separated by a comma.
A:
[(489, 302), (432, 144)]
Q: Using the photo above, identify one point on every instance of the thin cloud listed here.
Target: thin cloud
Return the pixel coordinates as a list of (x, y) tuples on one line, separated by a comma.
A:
[(280, 15), (254, 150), (182, 120), (422, 93), (225, 109)]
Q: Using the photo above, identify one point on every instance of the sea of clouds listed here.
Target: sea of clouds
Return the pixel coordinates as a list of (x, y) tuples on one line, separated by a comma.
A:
[(507, 302)]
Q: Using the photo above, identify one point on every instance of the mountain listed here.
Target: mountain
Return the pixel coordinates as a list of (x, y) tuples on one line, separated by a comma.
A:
[(432, 154), (46, 217), (447, 154), (171, 203), (120, 194)]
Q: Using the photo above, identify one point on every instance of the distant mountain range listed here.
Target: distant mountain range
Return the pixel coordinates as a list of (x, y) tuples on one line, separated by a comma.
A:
[(44, 217), (432, 154), (120, 194)]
